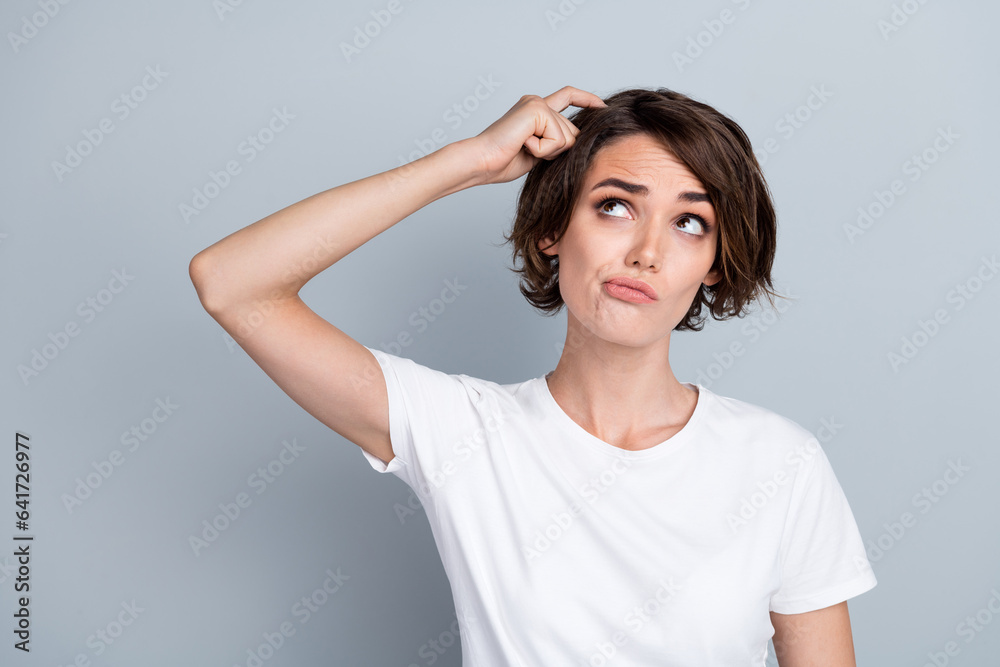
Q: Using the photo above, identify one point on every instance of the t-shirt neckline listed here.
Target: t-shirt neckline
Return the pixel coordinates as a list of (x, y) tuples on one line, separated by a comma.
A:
[(671, 444)]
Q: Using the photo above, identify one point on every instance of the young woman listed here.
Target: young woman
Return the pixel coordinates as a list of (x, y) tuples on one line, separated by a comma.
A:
[(604, 513)]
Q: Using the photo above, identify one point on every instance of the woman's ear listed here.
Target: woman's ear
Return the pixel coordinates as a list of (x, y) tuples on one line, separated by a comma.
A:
[(547, 247), (712, 277)]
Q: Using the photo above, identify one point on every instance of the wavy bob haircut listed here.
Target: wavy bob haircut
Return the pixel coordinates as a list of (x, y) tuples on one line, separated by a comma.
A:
[(711, 145)]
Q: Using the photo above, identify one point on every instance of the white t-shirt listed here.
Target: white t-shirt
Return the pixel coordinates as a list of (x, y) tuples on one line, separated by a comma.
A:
[(562, 549)]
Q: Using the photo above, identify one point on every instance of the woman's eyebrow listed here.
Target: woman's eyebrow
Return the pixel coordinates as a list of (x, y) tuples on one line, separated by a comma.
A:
[(639, 189)]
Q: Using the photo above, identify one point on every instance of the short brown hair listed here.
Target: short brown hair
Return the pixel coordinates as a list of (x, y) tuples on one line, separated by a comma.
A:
[(711, 145)]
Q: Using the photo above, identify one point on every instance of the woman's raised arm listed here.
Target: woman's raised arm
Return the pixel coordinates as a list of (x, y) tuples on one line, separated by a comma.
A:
[(274, 257)]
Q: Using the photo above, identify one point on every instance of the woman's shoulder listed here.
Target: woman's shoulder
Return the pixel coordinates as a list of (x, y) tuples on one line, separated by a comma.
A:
[(429, 376), (751, 421)]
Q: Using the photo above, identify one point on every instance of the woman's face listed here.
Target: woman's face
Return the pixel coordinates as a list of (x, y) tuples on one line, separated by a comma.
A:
[(656, 226)]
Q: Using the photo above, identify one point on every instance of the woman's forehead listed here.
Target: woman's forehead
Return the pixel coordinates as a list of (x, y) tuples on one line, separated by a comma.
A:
[(643, 161)]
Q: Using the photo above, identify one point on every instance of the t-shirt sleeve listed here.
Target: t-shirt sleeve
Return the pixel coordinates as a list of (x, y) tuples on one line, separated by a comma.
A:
[(823, 560), (431, 414)]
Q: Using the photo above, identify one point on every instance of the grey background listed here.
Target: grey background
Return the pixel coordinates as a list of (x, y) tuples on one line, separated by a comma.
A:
[(825, 357)]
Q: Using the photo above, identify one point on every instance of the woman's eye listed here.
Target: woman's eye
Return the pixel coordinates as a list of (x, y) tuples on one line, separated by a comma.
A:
[(689, 223), (685, 224), (608, 205)]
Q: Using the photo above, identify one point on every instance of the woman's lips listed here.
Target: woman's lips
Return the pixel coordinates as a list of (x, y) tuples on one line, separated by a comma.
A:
[(630, 289), (624, 293)]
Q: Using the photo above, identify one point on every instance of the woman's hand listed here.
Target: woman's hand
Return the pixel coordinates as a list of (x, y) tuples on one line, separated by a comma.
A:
[(532, 130)]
